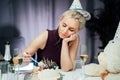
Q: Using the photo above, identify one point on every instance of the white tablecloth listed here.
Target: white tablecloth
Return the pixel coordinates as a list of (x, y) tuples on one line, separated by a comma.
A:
[(71, 75), (11, 76), (76, 75)]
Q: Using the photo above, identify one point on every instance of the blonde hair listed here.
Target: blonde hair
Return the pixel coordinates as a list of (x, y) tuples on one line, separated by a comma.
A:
[(76, 15)]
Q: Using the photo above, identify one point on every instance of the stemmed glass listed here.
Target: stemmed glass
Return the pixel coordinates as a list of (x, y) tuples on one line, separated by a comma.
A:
[(83, 57), (17, 60)]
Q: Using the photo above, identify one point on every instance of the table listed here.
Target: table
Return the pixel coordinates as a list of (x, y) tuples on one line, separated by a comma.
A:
[(71, 75), (11, 76), (76, 75)]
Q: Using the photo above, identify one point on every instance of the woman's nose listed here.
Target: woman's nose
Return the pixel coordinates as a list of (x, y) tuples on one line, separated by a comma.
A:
[(65, 30)]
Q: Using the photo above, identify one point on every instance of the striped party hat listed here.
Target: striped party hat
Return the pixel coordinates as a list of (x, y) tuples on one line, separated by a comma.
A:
[(76, 5)]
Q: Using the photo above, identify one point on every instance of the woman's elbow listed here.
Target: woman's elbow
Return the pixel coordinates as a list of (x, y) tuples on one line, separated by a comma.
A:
[(66, 69)]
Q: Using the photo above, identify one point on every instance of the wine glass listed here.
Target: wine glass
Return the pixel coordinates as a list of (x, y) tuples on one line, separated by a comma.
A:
[(17, 60), (83, 57)]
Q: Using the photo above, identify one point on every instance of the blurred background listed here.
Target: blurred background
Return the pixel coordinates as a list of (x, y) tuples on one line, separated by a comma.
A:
[(22, 20)]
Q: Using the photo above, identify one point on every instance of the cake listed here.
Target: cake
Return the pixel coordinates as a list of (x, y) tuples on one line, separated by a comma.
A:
[(49, 74), (46, 70)]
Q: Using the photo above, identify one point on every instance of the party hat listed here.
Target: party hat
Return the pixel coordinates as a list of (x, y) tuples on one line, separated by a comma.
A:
[(76, 5), (117, 34)]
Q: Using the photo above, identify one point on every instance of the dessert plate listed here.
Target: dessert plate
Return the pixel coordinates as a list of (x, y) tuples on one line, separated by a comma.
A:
[(24, 69)]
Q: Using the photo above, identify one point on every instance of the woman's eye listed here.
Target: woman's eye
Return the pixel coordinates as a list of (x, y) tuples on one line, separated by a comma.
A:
[(64, 25), (71, 30)]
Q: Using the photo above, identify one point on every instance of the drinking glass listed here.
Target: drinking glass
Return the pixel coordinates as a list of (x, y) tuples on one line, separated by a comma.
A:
[(11, 72), (17, 64), (17, 60), (4, 70), (83, 58), (77, 64)]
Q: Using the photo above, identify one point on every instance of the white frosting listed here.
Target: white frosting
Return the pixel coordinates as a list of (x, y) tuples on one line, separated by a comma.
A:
[(48, 74)]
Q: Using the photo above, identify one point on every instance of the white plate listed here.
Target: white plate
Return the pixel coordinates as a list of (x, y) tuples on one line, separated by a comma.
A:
[(24, 69)]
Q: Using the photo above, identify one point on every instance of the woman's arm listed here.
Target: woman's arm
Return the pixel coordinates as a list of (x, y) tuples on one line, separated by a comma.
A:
[(68, 52), (38, 42)]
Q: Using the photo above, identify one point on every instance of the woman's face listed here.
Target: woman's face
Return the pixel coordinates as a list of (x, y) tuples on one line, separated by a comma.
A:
[(67, 27)]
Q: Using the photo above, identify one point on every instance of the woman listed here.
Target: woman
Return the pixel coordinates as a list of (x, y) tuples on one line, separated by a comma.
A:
[(59, 45)]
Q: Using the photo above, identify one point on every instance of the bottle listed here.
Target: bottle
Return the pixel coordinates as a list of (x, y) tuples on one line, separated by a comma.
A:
[(7, 58), (7, 55)]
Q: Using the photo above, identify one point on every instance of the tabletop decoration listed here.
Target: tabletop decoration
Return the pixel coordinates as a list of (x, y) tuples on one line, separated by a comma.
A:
[(47, 64)]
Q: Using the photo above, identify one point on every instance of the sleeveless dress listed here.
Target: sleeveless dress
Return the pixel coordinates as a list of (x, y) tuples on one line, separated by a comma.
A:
[(52, 49)]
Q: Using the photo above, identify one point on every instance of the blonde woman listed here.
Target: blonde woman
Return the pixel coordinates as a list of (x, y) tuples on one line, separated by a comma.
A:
[(59, 45)]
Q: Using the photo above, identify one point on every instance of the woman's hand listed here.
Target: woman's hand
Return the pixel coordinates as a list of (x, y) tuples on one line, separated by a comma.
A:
[(26, 58), (68, 52), (71, 38)]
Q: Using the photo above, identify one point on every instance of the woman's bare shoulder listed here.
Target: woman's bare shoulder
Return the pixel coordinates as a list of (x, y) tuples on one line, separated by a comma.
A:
[(42, 37)]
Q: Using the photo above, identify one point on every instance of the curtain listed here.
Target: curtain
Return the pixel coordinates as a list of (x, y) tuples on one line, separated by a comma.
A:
[(31, 17), (34, 16)]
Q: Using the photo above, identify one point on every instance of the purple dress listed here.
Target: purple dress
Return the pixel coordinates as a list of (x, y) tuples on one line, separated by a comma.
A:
[(52, 49)]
